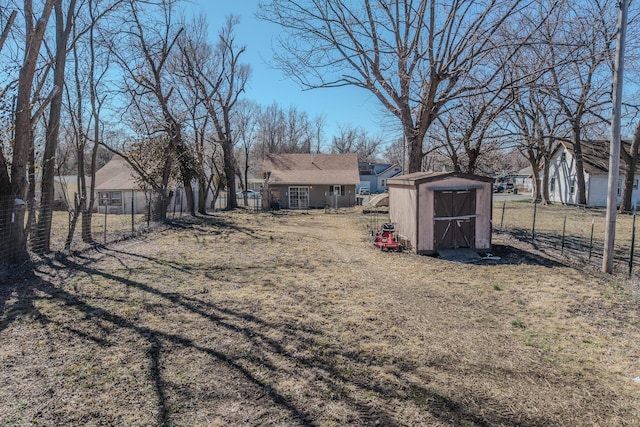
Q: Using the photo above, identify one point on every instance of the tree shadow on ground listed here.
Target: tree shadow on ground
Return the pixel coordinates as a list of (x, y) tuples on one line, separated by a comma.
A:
[(337, 371), (513, 255), (572, 250)]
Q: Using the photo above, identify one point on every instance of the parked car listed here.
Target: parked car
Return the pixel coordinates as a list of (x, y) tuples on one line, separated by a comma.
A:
[(363, 191), (498, 188), (251, 194)]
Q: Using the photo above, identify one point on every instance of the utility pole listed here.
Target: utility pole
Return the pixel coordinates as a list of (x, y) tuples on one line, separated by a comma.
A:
[(614, 151)]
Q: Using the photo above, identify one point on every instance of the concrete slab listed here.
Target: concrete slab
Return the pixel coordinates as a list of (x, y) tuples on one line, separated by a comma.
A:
[(459, 255)]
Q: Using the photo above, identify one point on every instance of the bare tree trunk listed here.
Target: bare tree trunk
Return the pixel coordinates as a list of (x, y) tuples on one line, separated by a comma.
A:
[(577, 151), (230, 174), (630, 162), (17, 246), (545, 183), (537, 181), (42, 241)]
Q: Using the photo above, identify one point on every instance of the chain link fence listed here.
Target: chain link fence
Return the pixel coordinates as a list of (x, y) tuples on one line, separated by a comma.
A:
[(573, 232), (117, 215), (112, 219)]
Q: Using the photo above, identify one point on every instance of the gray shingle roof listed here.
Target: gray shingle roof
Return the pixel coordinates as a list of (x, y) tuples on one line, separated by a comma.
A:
[(310, 169)]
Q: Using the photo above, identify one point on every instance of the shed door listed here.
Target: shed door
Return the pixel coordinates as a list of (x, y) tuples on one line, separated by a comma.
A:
[(454, 219)]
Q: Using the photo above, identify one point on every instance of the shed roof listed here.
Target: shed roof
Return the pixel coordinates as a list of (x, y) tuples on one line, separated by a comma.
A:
[(417, 178), (309, 169), (116, 175)]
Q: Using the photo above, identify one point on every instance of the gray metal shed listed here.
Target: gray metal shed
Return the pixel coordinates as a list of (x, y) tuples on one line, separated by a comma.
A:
[(442, 210)]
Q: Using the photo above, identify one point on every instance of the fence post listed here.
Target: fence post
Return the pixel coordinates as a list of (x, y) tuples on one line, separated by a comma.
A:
[(504, 202), (633, 242), (133, 218), (564, 227), (533, 227), (593, 221), (105, 224)]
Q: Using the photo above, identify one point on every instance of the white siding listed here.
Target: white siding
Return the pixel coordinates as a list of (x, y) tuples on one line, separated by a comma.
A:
[(563, 173)]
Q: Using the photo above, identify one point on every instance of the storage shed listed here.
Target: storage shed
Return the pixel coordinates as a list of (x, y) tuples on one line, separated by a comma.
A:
[(442, 210)]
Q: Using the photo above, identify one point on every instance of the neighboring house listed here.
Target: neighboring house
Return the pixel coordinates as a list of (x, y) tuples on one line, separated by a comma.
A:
[(523, 179), (65, 188), (302, 181), (563, 186), (117, 190), (374, 176)]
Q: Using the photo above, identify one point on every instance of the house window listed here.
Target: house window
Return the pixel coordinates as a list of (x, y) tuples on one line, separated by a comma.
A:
[(337, 190), (383, 182), (552, 185), (298, 197), (563, 157), (110, 198), (635, 184), (619, 187), (572, 187)]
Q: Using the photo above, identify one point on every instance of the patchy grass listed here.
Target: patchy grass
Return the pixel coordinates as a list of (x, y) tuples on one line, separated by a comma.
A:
[(584, 231), (294, 319)]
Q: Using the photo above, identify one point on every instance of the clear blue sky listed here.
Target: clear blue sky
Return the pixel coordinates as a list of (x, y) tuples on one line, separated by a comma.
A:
[(340, 105)]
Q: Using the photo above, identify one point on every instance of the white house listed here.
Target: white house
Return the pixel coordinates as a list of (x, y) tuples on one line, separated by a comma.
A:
[(118, 190), (523, 179), (563, 187)]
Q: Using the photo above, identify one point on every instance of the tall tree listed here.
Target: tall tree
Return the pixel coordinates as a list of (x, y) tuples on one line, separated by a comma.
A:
[(13, 183), (63, 27), (578, 55), (245, 121), (219, 78), (356, 140), (151, 34), (411, 54)]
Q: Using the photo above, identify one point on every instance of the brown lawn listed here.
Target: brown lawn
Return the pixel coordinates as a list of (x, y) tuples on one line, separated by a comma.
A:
[(294, 319)]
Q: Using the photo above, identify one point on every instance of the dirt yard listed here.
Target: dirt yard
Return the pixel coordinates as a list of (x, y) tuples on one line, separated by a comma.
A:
[(294, 319)]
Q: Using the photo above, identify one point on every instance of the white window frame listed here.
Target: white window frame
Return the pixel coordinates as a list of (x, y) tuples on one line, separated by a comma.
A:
[(106, 198), (337, 190), (296, 194)]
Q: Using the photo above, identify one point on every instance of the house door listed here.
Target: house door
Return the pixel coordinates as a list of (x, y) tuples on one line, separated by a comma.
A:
[(298, 197), (454, 219)]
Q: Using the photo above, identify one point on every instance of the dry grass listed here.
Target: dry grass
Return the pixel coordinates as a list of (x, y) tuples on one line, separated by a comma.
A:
[(578, 225), (261, 319)]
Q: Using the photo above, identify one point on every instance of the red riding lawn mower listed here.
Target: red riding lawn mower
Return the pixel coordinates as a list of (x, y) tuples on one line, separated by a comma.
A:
[(386, 239)]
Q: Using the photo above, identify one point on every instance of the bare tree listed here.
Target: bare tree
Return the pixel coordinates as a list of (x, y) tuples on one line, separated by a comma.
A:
[(412, 55), (14, 182), (218, 78), (578, 55), (245, 119), (148, 83), (63, 27), (352, 139), (537, 128)]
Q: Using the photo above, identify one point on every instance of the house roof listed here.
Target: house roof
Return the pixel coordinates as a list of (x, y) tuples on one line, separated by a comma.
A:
[(309, 169), (526, 172), (420, 177), (116, 175), (595, 155)]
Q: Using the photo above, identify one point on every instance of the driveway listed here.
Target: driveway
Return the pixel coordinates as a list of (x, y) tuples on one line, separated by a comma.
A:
[(509, 197)]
